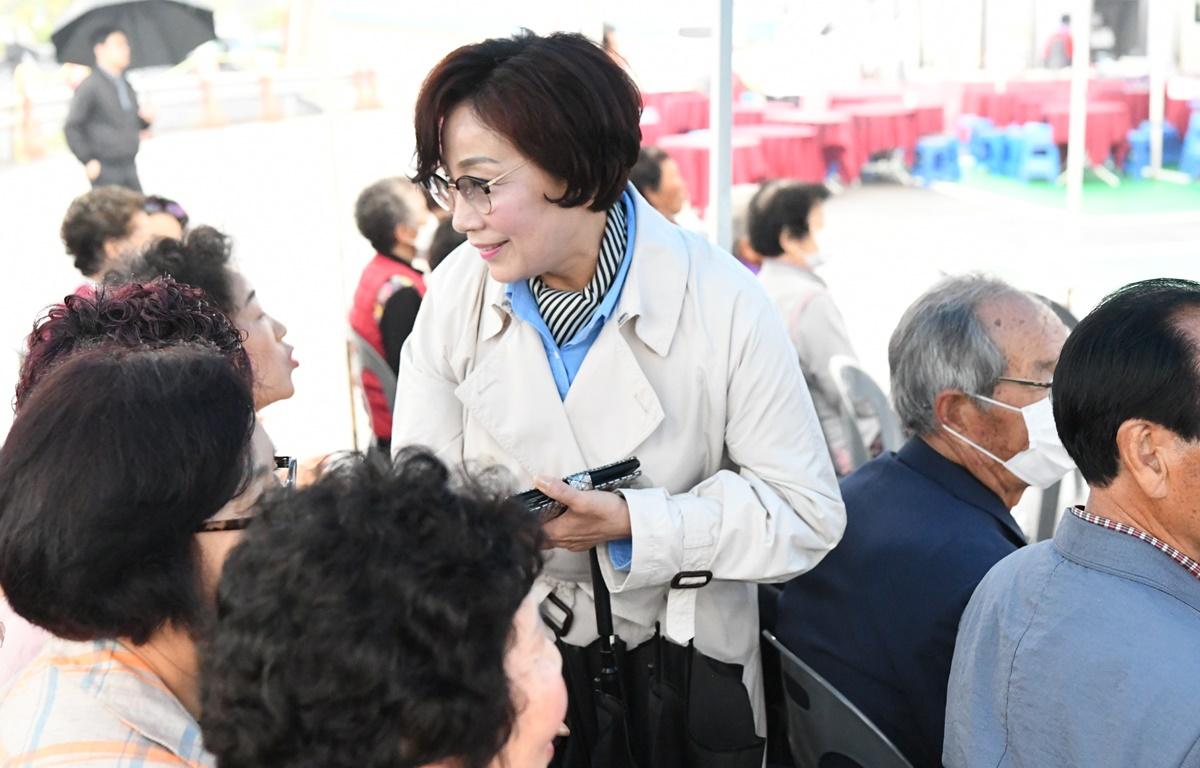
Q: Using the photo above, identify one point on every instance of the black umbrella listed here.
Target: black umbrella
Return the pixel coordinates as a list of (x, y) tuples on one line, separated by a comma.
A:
[(160, 32)]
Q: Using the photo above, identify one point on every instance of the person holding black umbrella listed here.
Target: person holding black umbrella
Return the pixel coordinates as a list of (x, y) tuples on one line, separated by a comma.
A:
[(578, 328), (105, 122)]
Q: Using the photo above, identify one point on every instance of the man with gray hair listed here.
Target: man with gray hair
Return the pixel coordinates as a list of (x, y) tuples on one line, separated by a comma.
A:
[(971, 366), (389, 214)]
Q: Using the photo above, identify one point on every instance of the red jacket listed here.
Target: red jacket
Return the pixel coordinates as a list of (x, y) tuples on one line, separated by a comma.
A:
[(381, 278)]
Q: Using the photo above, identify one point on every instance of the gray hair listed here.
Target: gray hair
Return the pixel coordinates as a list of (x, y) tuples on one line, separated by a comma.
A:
[(940, 344), (384, 205)]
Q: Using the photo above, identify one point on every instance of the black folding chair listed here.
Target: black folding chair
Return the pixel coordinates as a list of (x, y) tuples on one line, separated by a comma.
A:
[(824, 728)]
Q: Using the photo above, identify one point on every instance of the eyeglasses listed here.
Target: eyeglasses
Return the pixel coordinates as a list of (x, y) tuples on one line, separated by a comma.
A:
[(289, 463), (1027, 382), (241, 523), (477, 192), (228, 524)]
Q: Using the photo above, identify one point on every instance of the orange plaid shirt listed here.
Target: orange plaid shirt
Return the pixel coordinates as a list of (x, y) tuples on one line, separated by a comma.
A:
[(94, 704)]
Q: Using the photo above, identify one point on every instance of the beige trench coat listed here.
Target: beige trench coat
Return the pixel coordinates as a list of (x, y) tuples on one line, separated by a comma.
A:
[(694, 374)]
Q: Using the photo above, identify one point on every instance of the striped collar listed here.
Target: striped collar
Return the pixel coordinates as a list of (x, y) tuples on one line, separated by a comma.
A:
[(565, 312), (1191, 565)]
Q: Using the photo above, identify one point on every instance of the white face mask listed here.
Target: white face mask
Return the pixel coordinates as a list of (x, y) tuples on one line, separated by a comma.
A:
[(1045, 461), (425, 235)]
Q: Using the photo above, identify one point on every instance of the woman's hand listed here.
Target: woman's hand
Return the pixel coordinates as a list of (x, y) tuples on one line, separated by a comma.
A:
[(592, 517)]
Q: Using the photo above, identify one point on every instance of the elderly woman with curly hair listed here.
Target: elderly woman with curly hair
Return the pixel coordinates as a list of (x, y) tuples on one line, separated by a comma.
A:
[(381, 618), (203, 258)]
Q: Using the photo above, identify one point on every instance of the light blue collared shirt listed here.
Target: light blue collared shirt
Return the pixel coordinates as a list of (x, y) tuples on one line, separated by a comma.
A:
[(565, 361)]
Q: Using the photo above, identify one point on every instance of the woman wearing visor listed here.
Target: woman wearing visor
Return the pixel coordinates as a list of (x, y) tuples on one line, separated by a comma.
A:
[(576, 328)]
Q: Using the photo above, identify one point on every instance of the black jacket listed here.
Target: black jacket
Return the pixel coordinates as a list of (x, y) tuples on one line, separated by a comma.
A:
[(877, 618), (97, 128)]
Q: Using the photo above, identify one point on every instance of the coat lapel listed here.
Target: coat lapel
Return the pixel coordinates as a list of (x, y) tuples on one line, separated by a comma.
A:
[(511, 394), (611, 400)]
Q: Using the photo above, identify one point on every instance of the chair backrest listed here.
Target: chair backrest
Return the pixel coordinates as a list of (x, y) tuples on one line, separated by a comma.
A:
[(855, 389), (366, 358), (824, 728)]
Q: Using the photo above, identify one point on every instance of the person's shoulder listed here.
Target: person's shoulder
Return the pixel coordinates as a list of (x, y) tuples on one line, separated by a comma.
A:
[(887, 483), (1026, 565), (45, 711), (459, 273)]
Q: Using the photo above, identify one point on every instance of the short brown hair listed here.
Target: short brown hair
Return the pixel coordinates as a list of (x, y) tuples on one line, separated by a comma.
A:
[(560, 99), (105, 213)]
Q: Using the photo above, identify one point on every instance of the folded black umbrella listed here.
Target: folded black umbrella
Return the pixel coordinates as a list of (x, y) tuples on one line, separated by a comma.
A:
[(160, 32)]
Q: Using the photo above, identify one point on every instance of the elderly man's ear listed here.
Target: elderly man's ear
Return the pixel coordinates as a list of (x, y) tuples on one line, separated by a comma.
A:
[(956, 410), (1148, 452)]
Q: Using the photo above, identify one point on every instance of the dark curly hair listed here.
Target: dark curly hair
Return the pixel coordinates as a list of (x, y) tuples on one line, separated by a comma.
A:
[(201, 259), (364, 620), (105, 213), (109, 468), (155, 313)]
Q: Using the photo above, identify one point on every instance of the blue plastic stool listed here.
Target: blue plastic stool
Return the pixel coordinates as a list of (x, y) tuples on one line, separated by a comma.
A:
[(977, 143), (997, 151), (1014, 147), (1189, 160), (937, 159), (1037, 155), (1139, 147)]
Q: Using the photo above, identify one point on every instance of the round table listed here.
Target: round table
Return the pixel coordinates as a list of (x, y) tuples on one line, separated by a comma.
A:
[(690, 153), (1107, 126), (883, 127), (679, 111), (930, 118), (748, 114), (789, 151), (835, 136)]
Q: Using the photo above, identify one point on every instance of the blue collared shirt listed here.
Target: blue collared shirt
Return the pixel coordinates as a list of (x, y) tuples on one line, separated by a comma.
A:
[(565, 361), (1078, 651)]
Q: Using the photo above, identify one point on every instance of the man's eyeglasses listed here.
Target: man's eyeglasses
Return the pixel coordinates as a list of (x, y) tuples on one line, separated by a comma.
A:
[(241, 523), (1027, 382), (477, 192)]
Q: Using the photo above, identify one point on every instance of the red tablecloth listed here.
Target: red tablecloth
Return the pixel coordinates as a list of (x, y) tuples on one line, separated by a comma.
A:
[(789, 151), (1179, 112), (748, 114), (865, 94), (690, 152), (835, 135), (679, 111), (1107, 126), (1027, 101), (882, 127), (652, 127), (931, 118)]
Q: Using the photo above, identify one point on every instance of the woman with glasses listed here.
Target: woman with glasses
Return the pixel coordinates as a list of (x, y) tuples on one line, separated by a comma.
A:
[(577, 328), (119, 483)]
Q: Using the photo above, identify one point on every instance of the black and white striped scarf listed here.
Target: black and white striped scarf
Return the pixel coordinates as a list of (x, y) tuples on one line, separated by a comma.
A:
[(565, 312)]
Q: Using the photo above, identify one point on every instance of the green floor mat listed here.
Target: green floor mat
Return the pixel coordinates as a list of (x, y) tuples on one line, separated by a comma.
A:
[(1131, 196)]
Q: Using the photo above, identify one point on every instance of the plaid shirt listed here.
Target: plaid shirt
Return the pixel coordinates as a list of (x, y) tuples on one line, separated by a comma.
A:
[(94, 704), (1192, 566)]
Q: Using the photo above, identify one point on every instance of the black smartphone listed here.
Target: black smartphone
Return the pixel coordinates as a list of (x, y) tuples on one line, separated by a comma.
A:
[(606, 478)]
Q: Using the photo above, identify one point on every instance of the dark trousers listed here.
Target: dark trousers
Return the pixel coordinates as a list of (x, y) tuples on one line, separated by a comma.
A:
[(118, 173)]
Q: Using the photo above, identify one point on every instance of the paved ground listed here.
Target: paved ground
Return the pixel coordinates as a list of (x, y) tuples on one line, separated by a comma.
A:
[(286, 190)]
